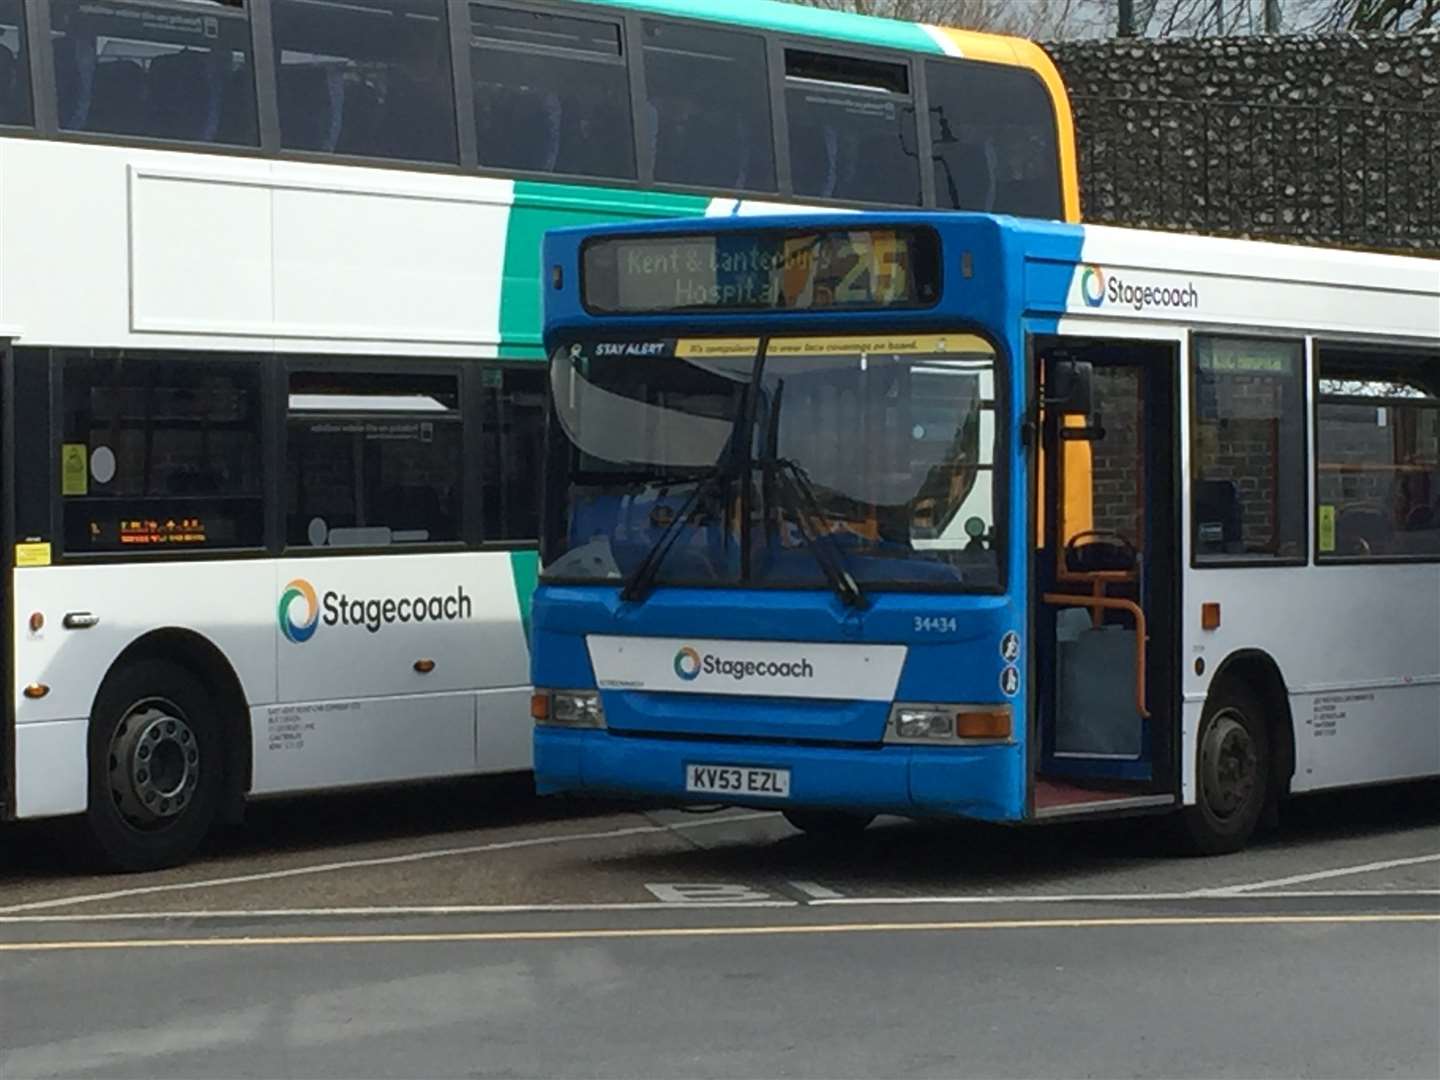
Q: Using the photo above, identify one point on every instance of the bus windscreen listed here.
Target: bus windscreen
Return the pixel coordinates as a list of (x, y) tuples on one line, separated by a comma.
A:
[(834, 269)]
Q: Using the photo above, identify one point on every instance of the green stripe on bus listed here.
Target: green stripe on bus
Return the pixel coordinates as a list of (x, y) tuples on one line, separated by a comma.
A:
[(540, 206), (525, 566), (791, 19)]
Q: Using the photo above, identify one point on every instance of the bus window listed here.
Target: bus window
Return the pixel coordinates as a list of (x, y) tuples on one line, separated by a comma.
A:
[(512, 441), (372, 460), (14, 70), (1248, 449), (551, 93), (708, 99), (993, 131), (167, 71), (852, 129), (1377, 450), (160, 452), (371, 78)]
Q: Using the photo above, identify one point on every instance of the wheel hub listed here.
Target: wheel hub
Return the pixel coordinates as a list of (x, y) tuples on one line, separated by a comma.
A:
[(1228, 765), (154, 764)]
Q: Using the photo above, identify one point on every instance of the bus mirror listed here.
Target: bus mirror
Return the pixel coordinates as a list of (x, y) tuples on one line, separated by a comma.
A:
[(1071, 387)]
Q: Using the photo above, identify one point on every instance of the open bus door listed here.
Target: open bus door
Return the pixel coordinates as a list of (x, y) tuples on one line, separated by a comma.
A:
[(1106, 575)]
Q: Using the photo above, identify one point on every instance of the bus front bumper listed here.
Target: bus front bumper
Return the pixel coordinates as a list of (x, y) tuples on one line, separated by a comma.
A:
[(983, 782)]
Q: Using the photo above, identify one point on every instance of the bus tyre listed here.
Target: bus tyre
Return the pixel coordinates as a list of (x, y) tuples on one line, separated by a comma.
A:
[(829, 825), (1232, 771), (156, 766)]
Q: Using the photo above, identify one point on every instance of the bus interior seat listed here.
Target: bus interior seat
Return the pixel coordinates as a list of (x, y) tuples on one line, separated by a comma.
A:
[(118, 99), (308, 107), (975, 179), (237, 109), (1217, 517), (360, 118), (814, 158), (414, 508), (524, 120), (10, 111), (181, 97), (404, 128)]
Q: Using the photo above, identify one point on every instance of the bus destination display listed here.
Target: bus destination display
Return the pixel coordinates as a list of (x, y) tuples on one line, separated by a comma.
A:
[(851, 269)]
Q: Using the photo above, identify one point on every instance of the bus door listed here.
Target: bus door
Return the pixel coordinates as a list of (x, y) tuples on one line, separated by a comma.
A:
[(1107, 573)]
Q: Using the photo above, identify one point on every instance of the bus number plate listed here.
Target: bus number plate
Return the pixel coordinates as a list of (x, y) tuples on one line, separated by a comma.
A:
[(737, 780)]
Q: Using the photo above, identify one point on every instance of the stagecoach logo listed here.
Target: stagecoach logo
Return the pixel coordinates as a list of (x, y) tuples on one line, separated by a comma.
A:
[(687, 664), (690, 664), (1092, 285), (303, 631), (338, 609), (1098, 288)]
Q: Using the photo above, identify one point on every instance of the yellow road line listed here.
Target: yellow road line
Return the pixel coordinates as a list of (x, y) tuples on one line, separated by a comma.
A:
[(503, 936)]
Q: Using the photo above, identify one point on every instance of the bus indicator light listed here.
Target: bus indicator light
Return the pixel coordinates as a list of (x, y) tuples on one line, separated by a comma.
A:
[(1210, 616), (35, 691), (37, 621)]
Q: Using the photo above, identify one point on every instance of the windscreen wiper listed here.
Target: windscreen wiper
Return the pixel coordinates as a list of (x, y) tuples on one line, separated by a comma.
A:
[(639, 583), (787, 481), (798, 496)]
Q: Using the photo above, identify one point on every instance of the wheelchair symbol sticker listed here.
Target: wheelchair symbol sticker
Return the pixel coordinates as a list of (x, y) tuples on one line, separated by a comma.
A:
[(1010, 647), (1010, 680)]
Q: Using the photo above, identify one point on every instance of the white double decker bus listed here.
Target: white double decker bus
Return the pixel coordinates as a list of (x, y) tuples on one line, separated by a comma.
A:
[(270, 406)]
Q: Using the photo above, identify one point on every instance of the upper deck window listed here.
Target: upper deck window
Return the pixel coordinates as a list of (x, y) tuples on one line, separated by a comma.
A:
[(179, 70), (14, 66), (552, 94), (708, 101), (993, 132), (852, 128), (370, 78)]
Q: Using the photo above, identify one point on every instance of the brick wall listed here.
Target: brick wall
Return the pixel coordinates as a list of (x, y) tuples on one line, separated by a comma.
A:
[(1332, 140)]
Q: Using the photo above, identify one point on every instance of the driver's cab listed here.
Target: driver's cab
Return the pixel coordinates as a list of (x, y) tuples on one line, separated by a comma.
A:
[(1106, 573)]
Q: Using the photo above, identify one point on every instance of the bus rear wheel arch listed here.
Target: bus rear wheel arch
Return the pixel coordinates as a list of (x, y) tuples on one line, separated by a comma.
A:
[(157, 765)]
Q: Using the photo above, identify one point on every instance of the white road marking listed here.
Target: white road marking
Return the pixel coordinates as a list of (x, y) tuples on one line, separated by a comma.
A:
[(386, 860), (816, 891), (1318, 875), (707, 891), (409, 910)]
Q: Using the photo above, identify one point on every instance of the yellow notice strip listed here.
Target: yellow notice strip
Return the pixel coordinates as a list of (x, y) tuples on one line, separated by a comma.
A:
[(32, 554), (894, 344), (1327, 527), (799, 929), (700, 348), (74, 469)]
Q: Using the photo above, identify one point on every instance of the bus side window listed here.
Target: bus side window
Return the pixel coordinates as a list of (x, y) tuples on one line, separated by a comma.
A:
[(995, 147), (160, 451), (1247, 449), (159, 71), (552, 94), (370, 78), (709, 119), (14, 66), (1377, 453), (372, 459), (512, 440)]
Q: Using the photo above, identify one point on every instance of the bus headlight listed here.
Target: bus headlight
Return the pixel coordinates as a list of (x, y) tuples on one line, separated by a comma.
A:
[(568, 708), (930, 724)]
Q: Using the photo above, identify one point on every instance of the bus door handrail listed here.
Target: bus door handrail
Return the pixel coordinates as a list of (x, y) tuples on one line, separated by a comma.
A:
[(1114, 603)]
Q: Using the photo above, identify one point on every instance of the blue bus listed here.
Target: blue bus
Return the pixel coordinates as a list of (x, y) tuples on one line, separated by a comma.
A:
[(961, 515)]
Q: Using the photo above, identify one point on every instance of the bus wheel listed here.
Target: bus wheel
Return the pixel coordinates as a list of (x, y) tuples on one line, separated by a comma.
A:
[(156, 766), (829, 824), (1232, 773)]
